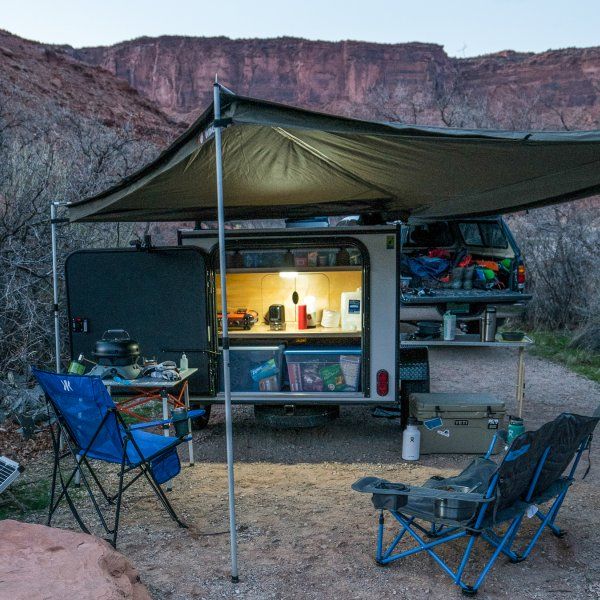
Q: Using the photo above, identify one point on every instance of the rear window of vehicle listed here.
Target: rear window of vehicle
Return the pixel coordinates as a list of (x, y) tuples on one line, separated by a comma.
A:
[(485, 234), (430, 235)]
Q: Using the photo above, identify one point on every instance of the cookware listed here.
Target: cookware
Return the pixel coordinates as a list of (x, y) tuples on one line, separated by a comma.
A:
[(116, 348)]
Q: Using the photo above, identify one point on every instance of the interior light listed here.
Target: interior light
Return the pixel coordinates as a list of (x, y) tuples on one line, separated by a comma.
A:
[(288, 274)]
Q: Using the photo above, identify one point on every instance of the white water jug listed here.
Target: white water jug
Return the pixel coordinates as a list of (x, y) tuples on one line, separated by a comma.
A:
[(411, 440)]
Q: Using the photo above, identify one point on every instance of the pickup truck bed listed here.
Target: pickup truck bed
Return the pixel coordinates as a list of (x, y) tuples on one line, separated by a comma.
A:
[(471, 296)]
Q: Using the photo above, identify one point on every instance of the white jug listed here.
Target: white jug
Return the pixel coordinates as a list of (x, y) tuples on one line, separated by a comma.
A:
[(411, 440)]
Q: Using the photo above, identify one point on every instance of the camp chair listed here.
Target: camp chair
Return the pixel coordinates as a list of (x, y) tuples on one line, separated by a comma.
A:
[(571, 436), (471, 505), (89, 422)]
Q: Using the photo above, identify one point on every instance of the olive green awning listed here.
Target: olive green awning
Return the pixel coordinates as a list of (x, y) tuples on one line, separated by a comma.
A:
[(280, 161)]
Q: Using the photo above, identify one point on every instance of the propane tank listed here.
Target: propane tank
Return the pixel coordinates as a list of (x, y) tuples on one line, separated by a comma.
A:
[(411, 440)]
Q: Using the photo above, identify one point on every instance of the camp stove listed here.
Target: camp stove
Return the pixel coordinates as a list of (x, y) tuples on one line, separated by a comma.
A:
[(116, 355)]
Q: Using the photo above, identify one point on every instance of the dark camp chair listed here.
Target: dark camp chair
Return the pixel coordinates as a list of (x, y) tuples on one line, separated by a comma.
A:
[(473, 504), (93, 429), (572, 435)]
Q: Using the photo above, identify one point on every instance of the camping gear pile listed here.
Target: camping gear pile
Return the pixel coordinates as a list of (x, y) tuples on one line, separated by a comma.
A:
[(439, 268)]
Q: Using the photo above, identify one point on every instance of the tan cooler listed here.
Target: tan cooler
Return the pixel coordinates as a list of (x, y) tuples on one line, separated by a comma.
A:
[(457, 422)]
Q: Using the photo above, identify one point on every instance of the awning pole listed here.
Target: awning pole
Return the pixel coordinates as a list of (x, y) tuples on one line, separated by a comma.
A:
[(225, 332), (53, 224)]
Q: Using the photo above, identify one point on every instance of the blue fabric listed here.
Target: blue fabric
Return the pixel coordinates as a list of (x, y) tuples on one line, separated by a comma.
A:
[(424, 266), (83, 402)]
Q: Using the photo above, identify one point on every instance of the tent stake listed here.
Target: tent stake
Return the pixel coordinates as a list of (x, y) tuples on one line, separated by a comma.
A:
[(225, 331)]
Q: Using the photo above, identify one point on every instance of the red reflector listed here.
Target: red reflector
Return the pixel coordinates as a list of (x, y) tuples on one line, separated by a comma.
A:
[(383, 382), (521, 274)]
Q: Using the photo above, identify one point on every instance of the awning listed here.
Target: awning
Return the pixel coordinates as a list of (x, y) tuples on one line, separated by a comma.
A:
[(281, 161)]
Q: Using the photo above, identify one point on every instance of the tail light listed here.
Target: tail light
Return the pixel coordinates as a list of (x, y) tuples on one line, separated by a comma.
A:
[(521, 275), (383, 382)]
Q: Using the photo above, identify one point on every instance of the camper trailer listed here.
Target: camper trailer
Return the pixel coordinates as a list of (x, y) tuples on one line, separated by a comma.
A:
[(312, 313)]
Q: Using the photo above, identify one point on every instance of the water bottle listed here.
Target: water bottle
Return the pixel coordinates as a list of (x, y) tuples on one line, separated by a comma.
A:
[(411, 440), (183, 362), (516, 427), (449, 326)]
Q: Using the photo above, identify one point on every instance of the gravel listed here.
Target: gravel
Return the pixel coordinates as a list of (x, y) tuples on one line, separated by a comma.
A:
[(304, 534)]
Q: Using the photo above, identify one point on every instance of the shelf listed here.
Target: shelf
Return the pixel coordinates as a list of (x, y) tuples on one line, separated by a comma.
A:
[(251, 270), (261, 330)]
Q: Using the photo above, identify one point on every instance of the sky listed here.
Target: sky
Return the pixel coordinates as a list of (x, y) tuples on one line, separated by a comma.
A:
[(463, 27)]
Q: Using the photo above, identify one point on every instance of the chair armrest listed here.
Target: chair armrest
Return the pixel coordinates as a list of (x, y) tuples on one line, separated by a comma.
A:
[(374, 485), (192, 414)]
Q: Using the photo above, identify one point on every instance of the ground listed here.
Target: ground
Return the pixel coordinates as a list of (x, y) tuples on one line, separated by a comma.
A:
[(304, 534)]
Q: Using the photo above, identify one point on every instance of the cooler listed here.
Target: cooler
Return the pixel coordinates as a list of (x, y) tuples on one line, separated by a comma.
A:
[(254, 368), (457, 422), (323, 369)]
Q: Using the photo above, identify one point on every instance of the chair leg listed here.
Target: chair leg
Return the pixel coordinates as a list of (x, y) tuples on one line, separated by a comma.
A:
[(119, 500), (161, 496), (53, 485)]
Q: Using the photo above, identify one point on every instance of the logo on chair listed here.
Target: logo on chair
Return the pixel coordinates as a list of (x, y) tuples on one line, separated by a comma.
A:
[(66, 385)]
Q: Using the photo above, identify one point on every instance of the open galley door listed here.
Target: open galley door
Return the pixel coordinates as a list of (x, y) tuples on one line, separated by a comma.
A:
[(159, 296)]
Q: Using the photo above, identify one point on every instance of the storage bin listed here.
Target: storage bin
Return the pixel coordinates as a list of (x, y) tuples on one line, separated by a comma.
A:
[(251, 369), (457, 422), (324, 369)]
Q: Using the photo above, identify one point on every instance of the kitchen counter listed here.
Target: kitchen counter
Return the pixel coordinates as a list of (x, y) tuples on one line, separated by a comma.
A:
[(262, 330)]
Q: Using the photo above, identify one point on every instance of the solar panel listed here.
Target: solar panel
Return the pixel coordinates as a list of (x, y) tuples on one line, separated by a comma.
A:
[(9, 471)]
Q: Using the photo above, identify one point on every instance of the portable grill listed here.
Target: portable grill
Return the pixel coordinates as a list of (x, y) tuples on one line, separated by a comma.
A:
[(116, 354)]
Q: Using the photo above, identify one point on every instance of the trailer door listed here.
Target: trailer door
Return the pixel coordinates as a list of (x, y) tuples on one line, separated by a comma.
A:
[(159, 296)]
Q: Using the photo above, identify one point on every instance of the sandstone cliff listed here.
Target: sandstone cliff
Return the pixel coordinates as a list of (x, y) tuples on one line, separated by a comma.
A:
[(412, 82)]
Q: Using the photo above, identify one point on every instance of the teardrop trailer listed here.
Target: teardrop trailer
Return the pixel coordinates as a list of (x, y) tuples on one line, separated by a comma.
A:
[(274, 161)]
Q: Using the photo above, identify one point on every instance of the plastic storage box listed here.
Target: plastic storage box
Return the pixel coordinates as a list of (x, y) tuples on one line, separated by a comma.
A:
[(254, 368), (324, 369), (458, 422)]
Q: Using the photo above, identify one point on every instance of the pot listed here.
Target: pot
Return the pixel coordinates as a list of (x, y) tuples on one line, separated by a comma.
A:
[(116, 348)]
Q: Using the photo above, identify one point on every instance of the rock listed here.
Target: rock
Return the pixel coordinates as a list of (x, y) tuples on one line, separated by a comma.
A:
[(44, 562)]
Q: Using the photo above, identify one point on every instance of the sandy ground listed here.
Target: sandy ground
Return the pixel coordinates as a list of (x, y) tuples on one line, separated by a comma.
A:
[(304, 534)]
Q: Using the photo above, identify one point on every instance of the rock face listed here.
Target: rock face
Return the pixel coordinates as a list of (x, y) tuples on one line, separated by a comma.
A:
[(551, 89), (44, 562), (32, 74)]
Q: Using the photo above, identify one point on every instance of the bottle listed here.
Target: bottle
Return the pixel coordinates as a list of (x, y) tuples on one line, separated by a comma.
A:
[(488, 325), (183, 362), (76, 367), (449, 326), (516, 427), (411, 440)]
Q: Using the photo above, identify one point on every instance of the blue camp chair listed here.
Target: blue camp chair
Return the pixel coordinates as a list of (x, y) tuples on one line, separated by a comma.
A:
[(88, 420), (572, 436), (484, 497)]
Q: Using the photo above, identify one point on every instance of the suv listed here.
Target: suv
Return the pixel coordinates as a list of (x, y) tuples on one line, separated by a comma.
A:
[(485, 242)]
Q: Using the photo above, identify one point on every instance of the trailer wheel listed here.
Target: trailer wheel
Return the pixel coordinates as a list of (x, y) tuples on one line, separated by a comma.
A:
[(295, 417), (201, 422)]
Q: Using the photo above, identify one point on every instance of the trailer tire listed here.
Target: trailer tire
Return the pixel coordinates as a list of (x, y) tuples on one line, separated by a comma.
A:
[(295, 417), (201, 422)]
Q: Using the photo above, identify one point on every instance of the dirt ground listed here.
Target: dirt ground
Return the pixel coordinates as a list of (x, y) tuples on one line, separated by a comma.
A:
[(303, 533)]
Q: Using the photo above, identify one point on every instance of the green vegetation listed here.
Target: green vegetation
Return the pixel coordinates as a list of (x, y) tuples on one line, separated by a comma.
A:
[(555, 346), (33, 496)]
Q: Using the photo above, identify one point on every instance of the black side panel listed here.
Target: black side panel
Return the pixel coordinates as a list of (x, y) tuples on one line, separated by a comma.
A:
[(158, 296)]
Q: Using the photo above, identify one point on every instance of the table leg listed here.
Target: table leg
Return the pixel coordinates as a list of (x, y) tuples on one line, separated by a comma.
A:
[(165, 411), (186, 398), (520, 381)]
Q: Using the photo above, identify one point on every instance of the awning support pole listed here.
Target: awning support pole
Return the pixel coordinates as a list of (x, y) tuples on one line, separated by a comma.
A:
[(225, 332), (53, 225)]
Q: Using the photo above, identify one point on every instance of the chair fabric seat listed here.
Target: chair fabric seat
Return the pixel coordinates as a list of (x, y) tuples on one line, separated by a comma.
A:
[(148, 443)]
